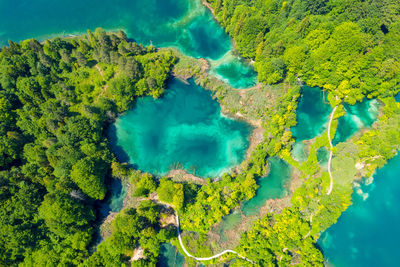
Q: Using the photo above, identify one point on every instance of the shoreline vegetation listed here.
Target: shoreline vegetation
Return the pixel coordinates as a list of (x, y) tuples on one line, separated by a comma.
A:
[(57, 97), (304, 46), (197, 69), (85, 82)]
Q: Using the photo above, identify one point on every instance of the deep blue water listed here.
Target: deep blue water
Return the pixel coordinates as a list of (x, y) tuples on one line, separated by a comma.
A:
[(184, 128), (367, 233)]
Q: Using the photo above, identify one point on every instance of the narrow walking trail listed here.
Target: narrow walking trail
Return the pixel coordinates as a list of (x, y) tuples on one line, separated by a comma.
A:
[(309, 232), (208, 258), (330, 152)]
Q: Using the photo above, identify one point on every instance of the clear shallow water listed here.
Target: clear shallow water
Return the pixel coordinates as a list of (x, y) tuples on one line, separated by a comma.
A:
[(185, 24), (367, 233), (361, 115), (312, 114), (170, 257), (228, 222), (184, 127), (323, 157), (114, 200), (299, 151), (271, 186), (234, 70)]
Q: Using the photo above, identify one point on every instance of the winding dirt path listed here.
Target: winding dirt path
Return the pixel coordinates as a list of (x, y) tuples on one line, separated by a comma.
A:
[(330, 152)]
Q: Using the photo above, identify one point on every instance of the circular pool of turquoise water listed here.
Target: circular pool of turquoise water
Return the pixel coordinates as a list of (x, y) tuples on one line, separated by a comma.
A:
[(183, 129)]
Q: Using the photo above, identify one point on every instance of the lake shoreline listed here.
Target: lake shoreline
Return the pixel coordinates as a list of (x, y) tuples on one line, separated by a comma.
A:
[(200, 74)]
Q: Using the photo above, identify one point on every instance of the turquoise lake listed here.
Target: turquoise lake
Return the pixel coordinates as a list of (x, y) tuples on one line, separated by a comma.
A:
[(312, 114), (184, 24), (361, 115), (184, 128), (272, 186), (367, 233)]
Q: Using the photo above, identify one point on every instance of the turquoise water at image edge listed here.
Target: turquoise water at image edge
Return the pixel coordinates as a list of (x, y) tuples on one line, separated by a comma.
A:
[(184, 128), (184, 24), (367, 233)]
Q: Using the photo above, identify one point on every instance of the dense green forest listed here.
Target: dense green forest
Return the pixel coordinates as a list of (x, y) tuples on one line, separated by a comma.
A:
[(347, 47), (56, 98), (350, 49)]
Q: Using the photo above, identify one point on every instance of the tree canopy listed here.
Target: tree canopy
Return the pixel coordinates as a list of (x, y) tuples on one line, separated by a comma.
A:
[(56, 99)]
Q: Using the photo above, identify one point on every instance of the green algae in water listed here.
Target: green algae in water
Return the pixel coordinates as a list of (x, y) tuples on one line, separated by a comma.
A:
[(228, 222), (312, 114), (271, 186), (299, 151), (184, 24), (367, 233), (323, 157), (170, 257), (361, 115), (183, 128)]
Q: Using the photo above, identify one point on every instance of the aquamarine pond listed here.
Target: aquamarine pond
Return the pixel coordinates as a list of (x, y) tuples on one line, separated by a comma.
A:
[(270, 187), (182, 129), (312, 114), (273, 186), (185, 126), (361, 115), (114, 199)]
